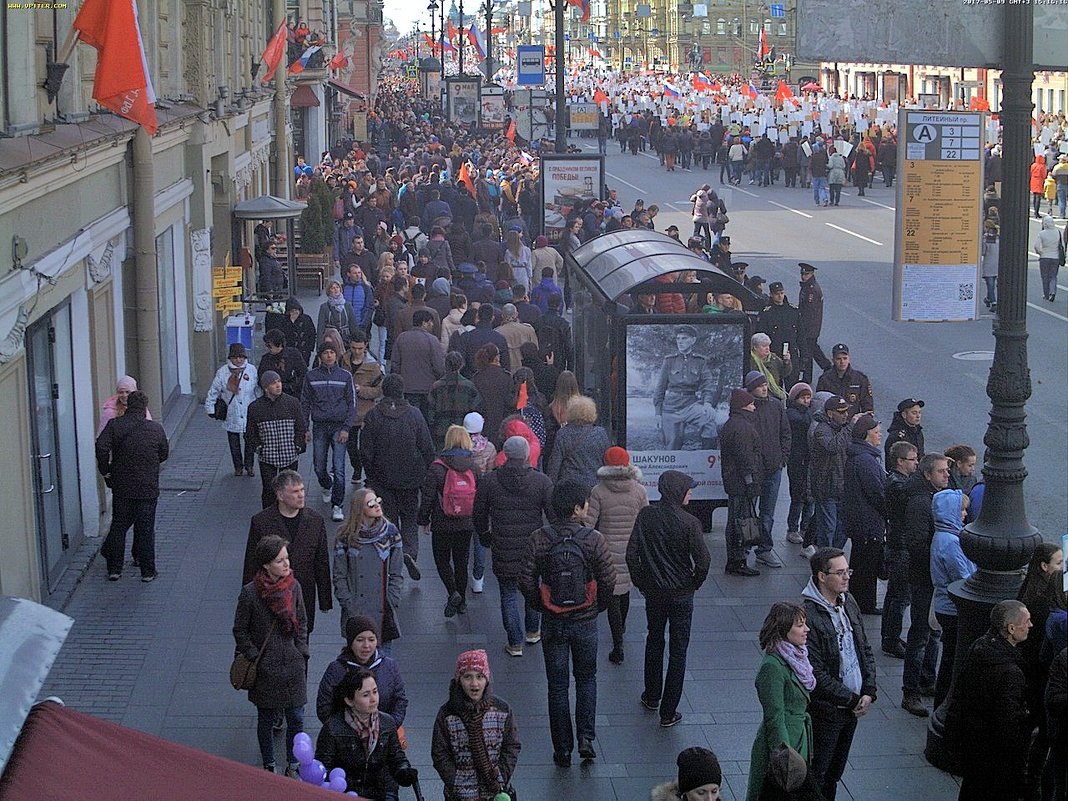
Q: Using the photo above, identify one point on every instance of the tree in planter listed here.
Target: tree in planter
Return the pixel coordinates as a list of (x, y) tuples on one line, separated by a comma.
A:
[(317, 220)]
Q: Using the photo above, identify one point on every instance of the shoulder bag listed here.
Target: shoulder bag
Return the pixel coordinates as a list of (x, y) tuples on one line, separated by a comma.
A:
[(243, 671), (749, 527)]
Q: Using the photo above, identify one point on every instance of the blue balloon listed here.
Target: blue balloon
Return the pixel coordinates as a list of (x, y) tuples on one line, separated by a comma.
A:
[(303, 751)]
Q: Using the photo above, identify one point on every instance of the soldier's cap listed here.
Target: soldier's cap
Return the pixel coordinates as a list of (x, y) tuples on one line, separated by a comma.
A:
[(908, 403), (776, 286), (688, 330), (739, 266), (672, 228), (836, 404), (806, 267), (840, 349)]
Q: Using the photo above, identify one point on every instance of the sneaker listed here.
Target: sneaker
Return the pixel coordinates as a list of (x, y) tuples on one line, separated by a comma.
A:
[(338, 514), (149, 578), (328, 494), (648, 704), (478, 584), (615, 656), (769, 559), (514, 650), (585, 749), (413, 569), (741, 569), (914, 706), (794, 537), (293, 771), (452, 605), (533, 637), (807, 551), (667, 723), (114, 576)]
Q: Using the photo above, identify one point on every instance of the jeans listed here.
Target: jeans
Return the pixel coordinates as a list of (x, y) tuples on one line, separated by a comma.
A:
[(820, 193), (450, 558), (797, 519), (353, 448), (991, 288), (1048, 268), (141, 514), (267, 474), (829, 529), (763, 174), (832, 737), (660, 612), (324, 438), (478, 558), (618, 608), (420, 401), (563, 640), (769, 496), (897, 596), (265, 721), (702, 230), (510, 600), (888, 174), (736, 171), (243, 458), (921, 646), (401, 507), (1062, 198)]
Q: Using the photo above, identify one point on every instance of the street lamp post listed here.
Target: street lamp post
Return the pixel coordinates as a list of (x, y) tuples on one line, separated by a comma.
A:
[(1000, 542), (488, 8), (432, 8), (561, 106), (460, 44), (443, 39)]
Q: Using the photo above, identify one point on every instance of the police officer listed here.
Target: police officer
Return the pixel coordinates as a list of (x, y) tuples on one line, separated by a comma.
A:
[(905, 427), (779, 321), (684, 397), (842, 379), (809, 324)]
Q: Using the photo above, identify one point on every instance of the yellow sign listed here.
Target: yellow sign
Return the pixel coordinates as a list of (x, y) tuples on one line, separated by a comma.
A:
[(938, 225), (225, 290), (228, 306)]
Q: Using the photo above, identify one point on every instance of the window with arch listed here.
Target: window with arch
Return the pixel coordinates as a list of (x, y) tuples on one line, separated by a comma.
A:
[(782, 29), (721, 26), (767, 26), (737, 24), (754, 26)]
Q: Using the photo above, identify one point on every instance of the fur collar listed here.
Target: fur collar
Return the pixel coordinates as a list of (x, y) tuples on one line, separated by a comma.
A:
[(623, 473), (669, 791)]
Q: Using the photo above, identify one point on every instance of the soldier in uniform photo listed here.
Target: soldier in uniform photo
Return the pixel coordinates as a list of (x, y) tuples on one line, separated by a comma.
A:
[(685, 395)]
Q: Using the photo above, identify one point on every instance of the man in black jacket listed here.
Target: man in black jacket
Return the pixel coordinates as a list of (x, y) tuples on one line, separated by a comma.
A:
[(842, 663), (905, 427), (129, 452), (274, 429), (779, 321), (773, 428), (809, 324), (287, 361), (668, 562), (509, 505), (569, 633), (554, 335), (741, 467), (921, 647), (898, 598)]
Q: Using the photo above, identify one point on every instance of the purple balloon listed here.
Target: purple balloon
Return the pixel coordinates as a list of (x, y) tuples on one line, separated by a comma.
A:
[(338, 783), (352, 792), (302, 737), (313, 772), (303, 751)]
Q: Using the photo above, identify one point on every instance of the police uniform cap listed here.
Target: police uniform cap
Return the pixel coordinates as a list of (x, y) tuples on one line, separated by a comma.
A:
[(776, 286), (908, 403), (840, 349), (806, 267)]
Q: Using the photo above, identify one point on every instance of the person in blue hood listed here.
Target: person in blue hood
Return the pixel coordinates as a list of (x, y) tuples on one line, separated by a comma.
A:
[(948, 564)]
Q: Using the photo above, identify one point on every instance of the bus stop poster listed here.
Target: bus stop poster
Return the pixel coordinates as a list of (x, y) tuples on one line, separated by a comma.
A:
[(493, 107), (678, 382), (464, 101), (569, 183)]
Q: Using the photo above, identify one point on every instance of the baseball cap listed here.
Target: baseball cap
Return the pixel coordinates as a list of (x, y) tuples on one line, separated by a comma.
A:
[(864, 425), (840, 349), (836, 403), (672, 228)]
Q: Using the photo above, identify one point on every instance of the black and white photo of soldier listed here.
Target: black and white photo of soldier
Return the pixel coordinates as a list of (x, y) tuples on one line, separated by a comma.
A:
[(679, 379)]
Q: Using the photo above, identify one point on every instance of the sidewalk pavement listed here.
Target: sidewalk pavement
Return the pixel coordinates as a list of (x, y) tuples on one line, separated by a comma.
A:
[(155, 657)]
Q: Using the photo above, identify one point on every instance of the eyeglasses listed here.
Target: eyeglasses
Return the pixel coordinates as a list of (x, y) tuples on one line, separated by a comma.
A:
[(843, 573), (371, 503)]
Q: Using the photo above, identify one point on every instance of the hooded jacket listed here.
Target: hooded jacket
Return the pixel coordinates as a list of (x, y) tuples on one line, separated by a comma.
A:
[(290, 365), (740, 461), (430, 511), (900, 431), (237, 403), (391, 695), (1046, 243), (918, 525), (864, 499), (667, 555), (509, 506), (1037, 174), (517, 427), (578, 451), (948, 562), (395, 445), (826, 657), (299, 334), (614, 506)]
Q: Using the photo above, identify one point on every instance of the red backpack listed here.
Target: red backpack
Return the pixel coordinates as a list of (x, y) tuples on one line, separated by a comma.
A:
[(458, 494)]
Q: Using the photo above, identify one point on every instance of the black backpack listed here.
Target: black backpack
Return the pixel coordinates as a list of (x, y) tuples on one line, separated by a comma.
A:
[(567, 583)]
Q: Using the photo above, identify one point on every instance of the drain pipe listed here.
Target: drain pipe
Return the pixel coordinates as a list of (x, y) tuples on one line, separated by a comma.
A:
[(281, 147), (149, 371)]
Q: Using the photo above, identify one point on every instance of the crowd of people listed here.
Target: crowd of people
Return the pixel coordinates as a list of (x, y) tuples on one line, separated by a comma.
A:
[(439, 369)]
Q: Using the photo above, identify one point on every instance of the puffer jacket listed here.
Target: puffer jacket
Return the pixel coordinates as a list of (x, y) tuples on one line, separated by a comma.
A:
[(430, 511), (237, 403), (598, 560), (395, 446), (578, 452), (614, 506), (827, 457), (392, 698), (509, 506), (339, 746), (517, 427), (667, 555)]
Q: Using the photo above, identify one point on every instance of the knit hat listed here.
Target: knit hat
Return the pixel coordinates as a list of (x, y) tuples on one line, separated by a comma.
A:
[(541, 241), (800, 388), (326, 345), (357, 625), (740, 399), (473, 422), (268, 378), (473, 660), (126, 384), (864, 425), (787, 769), (697, 767), (754, 378), (237, 351), (517, 448), (616, 457)]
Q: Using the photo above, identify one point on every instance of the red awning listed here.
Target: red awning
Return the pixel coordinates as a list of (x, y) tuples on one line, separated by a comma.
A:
[(304, 97), (345, 89), (66, 754)]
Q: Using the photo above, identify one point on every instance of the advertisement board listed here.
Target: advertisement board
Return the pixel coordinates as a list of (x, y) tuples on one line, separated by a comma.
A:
[(462, 98), (493, 107), (584, 116), (939, 215), (569, 183), (676, 390)]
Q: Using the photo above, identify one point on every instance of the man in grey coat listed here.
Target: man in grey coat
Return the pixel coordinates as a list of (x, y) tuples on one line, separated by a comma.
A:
[(774, 429), (419, 360)]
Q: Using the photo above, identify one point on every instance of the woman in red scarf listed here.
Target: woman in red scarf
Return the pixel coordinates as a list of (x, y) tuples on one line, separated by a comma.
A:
[(270, 618)]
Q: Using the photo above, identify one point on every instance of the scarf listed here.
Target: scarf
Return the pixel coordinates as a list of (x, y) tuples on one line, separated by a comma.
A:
[(336, 303), (233, 383), (471, 714), (367, 732), (280, 599), (796, 656), (773, 385), (380, 534)]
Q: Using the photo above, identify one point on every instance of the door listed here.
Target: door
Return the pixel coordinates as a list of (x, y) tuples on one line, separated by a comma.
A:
[(54, 442)]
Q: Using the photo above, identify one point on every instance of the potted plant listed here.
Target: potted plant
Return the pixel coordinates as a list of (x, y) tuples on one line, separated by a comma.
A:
[(316, 234)]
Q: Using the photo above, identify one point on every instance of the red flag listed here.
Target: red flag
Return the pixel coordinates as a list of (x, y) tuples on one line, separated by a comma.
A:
[(600, 96), (783, 92), (340, 61), (274, 51), (510, 133), (464, 177), (122, 83), (764, 49)]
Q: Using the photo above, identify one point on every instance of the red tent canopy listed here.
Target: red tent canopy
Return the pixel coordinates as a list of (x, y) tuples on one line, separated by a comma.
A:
[(64, 754)]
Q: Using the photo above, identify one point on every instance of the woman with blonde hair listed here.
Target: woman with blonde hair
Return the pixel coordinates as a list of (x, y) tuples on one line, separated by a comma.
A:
[(368, 558), (447, 503), (566, 388), (517, 256), (579, 447)]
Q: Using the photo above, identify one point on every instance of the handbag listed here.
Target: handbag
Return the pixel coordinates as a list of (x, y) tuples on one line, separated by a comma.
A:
[(1060, 252), (749, 528), (243, 671), (221, 409)]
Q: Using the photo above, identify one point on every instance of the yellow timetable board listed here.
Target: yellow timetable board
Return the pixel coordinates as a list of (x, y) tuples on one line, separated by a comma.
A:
[(939, 215)]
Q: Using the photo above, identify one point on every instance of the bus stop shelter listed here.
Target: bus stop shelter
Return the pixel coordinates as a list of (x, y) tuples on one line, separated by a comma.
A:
[(265, 207)]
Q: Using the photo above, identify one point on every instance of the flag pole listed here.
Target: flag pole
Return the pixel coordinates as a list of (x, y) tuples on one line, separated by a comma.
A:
[(68, 45)]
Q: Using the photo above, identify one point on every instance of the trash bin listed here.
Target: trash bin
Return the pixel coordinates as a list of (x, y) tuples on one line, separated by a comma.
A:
[(239, 328)]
